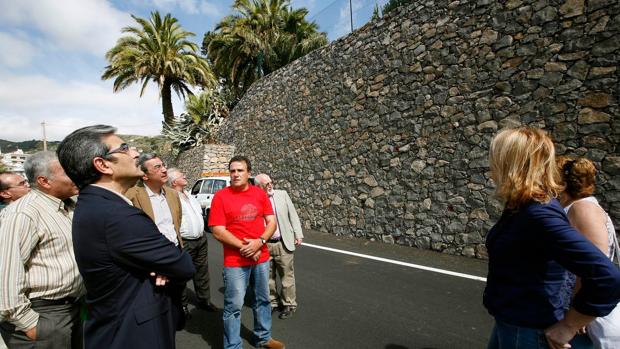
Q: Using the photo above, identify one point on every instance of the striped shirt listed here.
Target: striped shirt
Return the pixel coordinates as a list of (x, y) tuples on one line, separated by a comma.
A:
[(192, 222), (36, 256)]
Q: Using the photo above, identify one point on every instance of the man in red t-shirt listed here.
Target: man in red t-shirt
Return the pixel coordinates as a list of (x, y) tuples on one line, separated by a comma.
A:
[(242, 219)]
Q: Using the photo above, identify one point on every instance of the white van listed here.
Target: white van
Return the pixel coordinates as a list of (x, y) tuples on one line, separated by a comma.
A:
[(204, 189)]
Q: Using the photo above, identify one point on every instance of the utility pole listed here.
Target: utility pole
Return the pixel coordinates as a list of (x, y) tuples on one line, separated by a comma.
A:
[(351, 14), (44, 137)]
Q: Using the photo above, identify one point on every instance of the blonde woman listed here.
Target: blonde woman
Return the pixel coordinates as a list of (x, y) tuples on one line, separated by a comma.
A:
[(531, 247), (589, 218)]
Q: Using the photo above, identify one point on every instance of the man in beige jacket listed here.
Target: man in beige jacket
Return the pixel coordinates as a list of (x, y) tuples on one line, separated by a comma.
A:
[(282, 244)]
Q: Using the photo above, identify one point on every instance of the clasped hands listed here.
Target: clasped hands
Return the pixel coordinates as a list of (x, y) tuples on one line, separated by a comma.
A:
[(251, 248)]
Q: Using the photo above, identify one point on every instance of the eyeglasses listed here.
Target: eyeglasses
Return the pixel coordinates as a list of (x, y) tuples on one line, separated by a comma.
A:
[(123, 148)]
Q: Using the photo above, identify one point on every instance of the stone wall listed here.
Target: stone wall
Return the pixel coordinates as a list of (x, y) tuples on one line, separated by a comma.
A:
[(206, 160), (384, 133)]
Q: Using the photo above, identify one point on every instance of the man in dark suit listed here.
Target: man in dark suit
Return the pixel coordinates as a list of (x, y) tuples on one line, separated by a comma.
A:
[(128, 267), (161, 203)]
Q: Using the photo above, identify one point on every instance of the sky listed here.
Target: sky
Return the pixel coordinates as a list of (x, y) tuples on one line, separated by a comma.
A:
[(52, 54)]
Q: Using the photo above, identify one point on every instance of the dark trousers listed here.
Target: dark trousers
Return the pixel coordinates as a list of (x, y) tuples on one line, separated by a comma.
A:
[(198, 249), (59, 327)]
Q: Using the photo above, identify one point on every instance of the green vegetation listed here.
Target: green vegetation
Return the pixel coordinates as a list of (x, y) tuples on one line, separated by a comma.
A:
[(158, 50), (265, 35), (205, 113), (375, 12), (156, 144), (393, 4), (30, 146)]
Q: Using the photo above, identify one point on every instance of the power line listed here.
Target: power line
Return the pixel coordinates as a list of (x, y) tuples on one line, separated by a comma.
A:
[(323, 10)]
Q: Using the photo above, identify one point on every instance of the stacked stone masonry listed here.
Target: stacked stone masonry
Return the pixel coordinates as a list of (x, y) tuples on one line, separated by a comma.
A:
[(384, 133), (206, 160)]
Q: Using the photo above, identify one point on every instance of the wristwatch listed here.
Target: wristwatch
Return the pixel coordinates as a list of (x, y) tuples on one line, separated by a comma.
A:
[(263, 240)]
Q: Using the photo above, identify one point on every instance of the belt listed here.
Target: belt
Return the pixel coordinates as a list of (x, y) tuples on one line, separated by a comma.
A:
[(274, 240), (192, 239), (61, 301)]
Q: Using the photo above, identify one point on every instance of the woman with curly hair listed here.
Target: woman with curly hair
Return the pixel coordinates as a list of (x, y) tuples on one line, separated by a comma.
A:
[(531, 247), (589, 218)]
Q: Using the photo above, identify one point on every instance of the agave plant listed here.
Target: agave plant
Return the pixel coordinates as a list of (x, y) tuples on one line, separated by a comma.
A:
[(204, 114)]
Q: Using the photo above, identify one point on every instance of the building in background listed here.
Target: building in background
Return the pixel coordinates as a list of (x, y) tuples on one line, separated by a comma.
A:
[(14, 161)]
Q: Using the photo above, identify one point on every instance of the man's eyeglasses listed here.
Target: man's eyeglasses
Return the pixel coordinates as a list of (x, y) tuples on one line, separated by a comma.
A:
[(123, 148)]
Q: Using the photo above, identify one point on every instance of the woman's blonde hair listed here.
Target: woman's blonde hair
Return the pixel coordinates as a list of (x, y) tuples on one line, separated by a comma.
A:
[(578, 175), (523, 167)]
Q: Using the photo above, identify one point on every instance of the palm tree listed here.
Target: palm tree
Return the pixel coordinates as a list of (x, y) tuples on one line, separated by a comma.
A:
[(159, 51), (207, 108), (264, 35)]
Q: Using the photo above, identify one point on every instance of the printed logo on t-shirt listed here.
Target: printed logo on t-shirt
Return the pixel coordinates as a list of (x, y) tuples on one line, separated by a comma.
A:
[(248, 212)]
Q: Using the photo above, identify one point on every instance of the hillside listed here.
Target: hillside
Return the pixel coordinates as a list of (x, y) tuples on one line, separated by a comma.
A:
[(30, 146), (142, 143)]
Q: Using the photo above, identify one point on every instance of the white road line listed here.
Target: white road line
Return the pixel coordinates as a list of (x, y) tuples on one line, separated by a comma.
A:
[(410, 265)]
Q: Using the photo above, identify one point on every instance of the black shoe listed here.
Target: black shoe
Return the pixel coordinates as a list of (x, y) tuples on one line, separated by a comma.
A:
[(287, 312), (186, 313), (276, 308), (207, 306)]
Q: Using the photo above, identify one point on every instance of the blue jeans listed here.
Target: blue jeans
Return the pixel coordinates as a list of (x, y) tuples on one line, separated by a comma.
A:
[(506, 336), (236, 281)]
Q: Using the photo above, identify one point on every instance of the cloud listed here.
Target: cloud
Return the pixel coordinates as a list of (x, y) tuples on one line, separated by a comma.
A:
[(15, 51), (91, 26), (192, 7), (26, 101), (210, 9), (343, 24)]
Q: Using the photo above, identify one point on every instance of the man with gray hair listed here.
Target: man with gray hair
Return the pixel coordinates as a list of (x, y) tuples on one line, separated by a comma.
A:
[(194, 240), (12, 187), (281, 245), (157, 200), (130, 270), (41, 283)]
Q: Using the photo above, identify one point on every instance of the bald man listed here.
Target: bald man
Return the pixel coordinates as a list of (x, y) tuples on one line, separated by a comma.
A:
[(281, 245), (12, 187)]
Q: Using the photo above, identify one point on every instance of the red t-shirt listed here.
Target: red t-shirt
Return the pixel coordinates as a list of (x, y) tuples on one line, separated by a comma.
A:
[(243, 214)]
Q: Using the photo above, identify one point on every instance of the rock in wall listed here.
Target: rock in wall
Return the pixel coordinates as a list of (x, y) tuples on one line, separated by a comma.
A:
[(206, 160)]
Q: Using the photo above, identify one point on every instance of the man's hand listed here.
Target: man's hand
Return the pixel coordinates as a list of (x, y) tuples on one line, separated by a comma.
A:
[(250, 247), (160, 280), (256, 256), (31, 333), (298, 242), (559, 334)]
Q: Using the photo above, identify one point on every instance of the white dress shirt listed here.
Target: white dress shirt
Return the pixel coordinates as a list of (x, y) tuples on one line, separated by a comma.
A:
[(163, 217), (192, 223), (276, 234)]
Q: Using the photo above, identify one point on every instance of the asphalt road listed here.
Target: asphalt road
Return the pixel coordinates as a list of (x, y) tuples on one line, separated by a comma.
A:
[(350, 302)]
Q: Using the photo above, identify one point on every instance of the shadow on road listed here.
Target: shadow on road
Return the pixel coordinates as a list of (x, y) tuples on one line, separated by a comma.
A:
[(210, 326)]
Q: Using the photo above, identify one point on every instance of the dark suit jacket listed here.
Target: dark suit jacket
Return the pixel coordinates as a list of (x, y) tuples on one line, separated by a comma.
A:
[(116, 247), (140, 199)]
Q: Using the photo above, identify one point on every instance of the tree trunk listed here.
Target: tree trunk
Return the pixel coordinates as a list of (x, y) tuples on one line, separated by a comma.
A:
[(166, 103)]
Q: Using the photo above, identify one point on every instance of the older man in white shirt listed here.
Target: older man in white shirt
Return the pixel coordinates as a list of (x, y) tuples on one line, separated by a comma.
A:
[(194, 240)]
